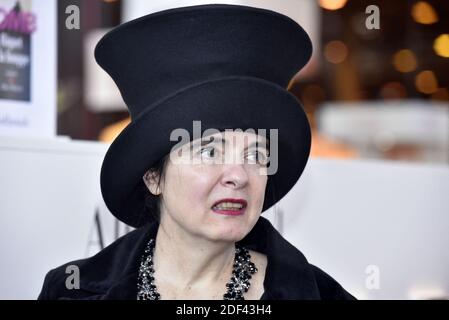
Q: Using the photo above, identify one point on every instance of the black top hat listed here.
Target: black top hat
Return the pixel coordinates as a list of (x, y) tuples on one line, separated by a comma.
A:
[(226, 65)]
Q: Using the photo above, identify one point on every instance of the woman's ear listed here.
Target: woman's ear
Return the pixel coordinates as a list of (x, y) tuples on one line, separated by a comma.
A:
[(150, 179)]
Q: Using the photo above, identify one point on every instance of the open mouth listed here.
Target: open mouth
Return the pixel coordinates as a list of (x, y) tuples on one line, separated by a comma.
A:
[(230, 207)]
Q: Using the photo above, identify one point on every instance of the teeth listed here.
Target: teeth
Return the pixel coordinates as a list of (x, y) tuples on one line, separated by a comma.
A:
[(228, 205)]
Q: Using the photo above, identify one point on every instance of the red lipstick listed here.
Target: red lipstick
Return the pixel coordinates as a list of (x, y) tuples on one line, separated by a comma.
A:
[(233, 211)]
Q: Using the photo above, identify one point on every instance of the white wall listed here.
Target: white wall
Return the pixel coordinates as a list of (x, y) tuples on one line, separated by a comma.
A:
[(349, 215), (49, 191)]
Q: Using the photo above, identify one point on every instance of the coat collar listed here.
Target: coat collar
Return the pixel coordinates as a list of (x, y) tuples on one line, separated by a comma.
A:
[(113, 272)]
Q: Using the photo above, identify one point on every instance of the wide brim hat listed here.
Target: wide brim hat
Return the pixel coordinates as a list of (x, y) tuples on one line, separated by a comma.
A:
[(227, 66)]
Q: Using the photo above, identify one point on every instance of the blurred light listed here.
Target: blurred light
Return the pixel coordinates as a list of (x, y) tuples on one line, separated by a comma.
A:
[(426, 82), (111, 132), (358, 25), (423, 12), (335, 51), (428, 292), (441, 45), (385, 140), (393, 90), (313, 93), (441, 94), (404, 60), (326, 147), (332, 4)]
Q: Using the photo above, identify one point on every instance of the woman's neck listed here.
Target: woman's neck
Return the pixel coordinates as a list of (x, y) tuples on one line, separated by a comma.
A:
[(188, 261)]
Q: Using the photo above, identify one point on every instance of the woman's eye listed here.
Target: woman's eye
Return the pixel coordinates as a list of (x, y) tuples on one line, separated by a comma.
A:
[(259, 158), (209, 152)]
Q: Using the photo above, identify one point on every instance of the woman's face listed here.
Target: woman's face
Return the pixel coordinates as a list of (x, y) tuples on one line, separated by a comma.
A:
[(203, 172)]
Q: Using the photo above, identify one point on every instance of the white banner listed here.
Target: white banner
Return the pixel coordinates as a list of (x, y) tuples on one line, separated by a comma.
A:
[(28, 68)]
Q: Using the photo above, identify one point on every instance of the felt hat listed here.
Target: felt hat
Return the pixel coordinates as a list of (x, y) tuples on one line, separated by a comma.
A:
[(227, 66)]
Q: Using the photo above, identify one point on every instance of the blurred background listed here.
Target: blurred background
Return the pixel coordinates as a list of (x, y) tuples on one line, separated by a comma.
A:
[(369, 93), (372, 206)]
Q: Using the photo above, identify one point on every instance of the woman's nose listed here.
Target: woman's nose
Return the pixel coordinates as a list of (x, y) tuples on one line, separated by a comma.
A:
[(234, 175)]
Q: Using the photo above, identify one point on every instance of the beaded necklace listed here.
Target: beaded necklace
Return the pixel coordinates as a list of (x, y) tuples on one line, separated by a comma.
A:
[(239, 283)]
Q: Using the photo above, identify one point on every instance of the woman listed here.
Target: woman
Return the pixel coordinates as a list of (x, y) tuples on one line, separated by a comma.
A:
[(196, 204)]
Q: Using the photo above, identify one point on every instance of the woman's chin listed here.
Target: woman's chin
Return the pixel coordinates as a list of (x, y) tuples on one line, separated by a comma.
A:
[(229, 232)]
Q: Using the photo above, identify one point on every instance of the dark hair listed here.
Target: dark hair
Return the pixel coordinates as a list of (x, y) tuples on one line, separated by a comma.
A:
[(152, 202)]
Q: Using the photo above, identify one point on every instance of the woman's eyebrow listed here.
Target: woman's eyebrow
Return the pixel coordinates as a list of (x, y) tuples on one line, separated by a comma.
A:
[(207, 141), (255, 144), (213, 140)]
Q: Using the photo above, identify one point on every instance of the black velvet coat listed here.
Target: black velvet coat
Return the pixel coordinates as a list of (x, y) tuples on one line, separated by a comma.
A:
[(112, 273)]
